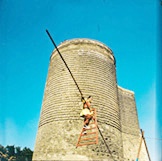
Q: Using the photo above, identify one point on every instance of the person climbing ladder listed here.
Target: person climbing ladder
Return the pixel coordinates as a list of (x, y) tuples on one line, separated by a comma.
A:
[(89, 134), (87, 112)]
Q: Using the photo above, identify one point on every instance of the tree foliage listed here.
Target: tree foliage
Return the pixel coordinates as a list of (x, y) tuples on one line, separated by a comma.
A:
[(12, 153)]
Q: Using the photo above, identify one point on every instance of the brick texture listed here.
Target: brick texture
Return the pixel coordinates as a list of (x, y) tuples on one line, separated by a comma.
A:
[(131, 135), (93, 66)]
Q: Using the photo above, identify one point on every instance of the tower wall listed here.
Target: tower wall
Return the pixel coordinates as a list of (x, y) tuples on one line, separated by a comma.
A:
[(93, 67), (130, 126)]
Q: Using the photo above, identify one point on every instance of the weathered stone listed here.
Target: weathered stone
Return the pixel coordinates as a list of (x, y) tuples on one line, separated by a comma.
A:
[(93, 66)]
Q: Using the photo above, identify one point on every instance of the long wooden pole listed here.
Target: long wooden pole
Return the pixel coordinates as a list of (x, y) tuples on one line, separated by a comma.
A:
[(104, 141), (146, 147), (139, 149), (76, 84), (143, 139), (64, 62)]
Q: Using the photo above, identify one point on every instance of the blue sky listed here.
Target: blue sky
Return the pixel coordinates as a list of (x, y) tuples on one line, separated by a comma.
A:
[(129, 28)]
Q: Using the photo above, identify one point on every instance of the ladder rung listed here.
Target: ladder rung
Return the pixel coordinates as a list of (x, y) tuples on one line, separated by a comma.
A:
[(86, 144), (88, 138), (88, 133)]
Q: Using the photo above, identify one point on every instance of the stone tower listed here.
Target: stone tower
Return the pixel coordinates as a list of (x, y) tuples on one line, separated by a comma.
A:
[(130, 127), (93, 66)]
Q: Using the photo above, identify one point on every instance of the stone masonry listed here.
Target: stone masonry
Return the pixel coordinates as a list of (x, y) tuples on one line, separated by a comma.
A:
[(93, 66)]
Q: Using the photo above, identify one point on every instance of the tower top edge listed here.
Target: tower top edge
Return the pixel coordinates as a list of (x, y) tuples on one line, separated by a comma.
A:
[(83, 41), (126, 90)]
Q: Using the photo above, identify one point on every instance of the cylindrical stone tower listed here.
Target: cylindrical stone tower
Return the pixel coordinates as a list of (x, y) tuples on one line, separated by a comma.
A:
[(93, 66)]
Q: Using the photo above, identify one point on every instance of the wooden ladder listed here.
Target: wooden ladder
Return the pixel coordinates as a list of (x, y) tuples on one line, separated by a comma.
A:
[(91, 136)]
